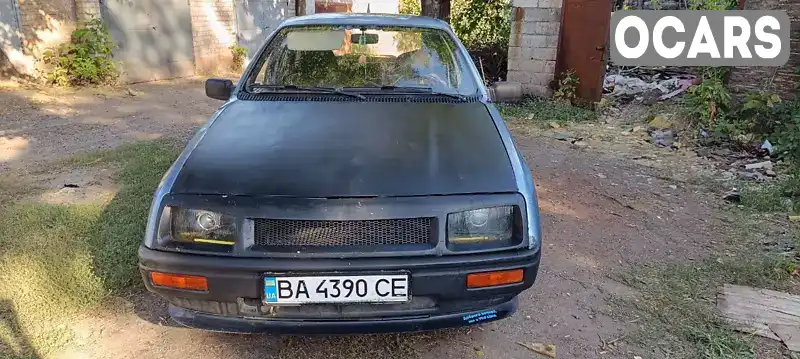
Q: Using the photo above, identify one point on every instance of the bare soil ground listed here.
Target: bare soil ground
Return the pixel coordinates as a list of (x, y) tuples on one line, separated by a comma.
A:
[(616, 204)]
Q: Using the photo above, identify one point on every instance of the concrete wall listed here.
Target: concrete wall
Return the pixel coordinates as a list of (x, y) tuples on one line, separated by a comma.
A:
[(47, 23), (533, 46), (780, 80)]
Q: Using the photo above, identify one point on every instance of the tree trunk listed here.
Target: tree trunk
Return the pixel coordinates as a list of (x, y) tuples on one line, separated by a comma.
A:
[(439, 9)]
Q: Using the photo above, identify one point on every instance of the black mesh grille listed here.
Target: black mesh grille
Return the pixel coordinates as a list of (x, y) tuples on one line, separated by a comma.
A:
[(303, 233)]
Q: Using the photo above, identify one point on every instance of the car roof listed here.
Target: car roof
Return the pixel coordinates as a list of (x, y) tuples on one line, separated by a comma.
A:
[(367, 19)]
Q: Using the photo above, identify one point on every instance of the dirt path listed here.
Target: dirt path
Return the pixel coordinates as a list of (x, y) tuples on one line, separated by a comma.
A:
[(603, 211)]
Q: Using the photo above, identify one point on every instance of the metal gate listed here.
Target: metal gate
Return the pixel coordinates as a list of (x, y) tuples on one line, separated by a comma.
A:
[(256, 19), (584, 34), (154, 37)]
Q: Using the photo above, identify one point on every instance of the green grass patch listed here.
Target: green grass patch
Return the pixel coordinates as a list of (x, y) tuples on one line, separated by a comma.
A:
[(57, 261), (782, 196), (545, 111), (675, 307)]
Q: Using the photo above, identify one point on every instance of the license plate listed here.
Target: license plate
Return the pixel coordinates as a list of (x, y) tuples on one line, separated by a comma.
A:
[(336, 289)]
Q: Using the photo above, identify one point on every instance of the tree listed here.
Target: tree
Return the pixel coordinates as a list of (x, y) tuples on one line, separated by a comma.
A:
[(439, 9)]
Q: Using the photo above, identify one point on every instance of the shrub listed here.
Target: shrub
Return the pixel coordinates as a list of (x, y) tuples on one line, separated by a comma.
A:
[(410, 7), (239, 55), (786, 135), (85, 60), (483, 26), (708, 104), (567, 87)]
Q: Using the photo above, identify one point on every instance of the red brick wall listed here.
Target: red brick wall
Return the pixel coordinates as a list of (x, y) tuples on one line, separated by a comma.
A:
[(780, 80)]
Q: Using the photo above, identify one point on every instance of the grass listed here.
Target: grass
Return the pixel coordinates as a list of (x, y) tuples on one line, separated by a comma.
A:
[(783, 196), (545, 111), (676, 305), (57, 261)]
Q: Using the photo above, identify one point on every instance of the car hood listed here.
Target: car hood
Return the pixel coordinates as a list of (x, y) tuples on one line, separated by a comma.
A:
[(348, 149)]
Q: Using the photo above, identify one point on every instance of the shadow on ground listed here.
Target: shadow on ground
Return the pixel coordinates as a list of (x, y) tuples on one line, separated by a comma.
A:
[(14, 343)]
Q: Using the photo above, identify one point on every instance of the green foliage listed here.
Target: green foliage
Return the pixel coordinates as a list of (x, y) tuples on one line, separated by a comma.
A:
[(479, 23), (567, 87), (797, 84), (675, 301), (410, 7), (713, 4), (708, 103), (786, 134), (483, 26), (546, 111), (60, 260), (239, 54), (755, 115), (85, 60)]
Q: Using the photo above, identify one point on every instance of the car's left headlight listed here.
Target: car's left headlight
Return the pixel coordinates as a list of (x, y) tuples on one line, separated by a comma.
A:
[(492, 227), (187, 226)]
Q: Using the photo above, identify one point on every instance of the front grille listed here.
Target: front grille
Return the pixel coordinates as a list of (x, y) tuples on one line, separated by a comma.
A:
[(277, 233)]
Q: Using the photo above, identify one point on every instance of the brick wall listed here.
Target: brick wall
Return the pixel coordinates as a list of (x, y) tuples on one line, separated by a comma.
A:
[(213, 33), (533, 45), (45, 23), (87, 9), (780, 80)]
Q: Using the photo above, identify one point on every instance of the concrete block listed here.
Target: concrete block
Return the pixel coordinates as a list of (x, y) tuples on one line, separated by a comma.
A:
[(541, 79), (532, 66), (544, 53), (525, 3), (519, 76), (514, 53), (550, 4), (547, 28), (552, 41), (536, 90), (543, 14), (549, 67), (533, 41)]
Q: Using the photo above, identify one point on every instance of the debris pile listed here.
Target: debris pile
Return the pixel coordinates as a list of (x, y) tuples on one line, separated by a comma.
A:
[(661, 132), (753, 166), (646, 85)]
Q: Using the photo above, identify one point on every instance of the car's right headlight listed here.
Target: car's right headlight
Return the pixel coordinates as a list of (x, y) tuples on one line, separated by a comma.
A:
[(197, 228), (492, 227)]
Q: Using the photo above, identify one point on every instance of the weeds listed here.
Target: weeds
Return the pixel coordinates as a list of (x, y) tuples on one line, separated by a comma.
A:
[(85, 60), (57, 261), (546, 111), (239, 55), (677, 300), (567, 87)]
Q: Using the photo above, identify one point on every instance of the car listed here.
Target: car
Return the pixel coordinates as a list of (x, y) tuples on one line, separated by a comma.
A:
[(357, 179)]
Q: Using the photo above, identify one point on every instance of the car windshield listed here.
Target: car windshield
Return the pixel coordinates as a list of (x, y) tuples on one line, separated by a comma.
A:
[(364, 59)]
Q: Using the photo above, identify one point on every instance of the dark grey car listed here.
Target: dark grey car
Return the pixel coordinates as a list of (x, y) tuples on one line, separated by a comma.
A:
[(358, 179)]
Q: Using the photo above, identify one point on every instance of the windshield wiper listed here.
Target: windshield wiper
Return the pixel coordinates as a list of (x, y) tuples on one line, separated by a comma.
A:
[(411, 89), (317, 89)]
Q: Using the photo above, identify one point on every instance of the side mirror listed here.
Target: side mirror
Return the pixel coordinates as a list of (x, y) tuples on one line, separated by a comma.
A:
[(504, 91), (219, 89)]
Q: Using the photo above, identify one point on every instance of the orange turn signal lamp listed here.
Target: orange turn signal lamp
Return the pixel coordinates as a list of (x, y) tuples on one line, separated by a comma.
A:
[(496, 278), (179, 281)]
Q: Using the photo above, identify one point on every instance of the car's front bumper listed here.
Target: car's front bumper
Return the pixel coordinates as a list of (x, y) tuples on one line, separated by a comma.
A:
[(440, 298), (195, 319)]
